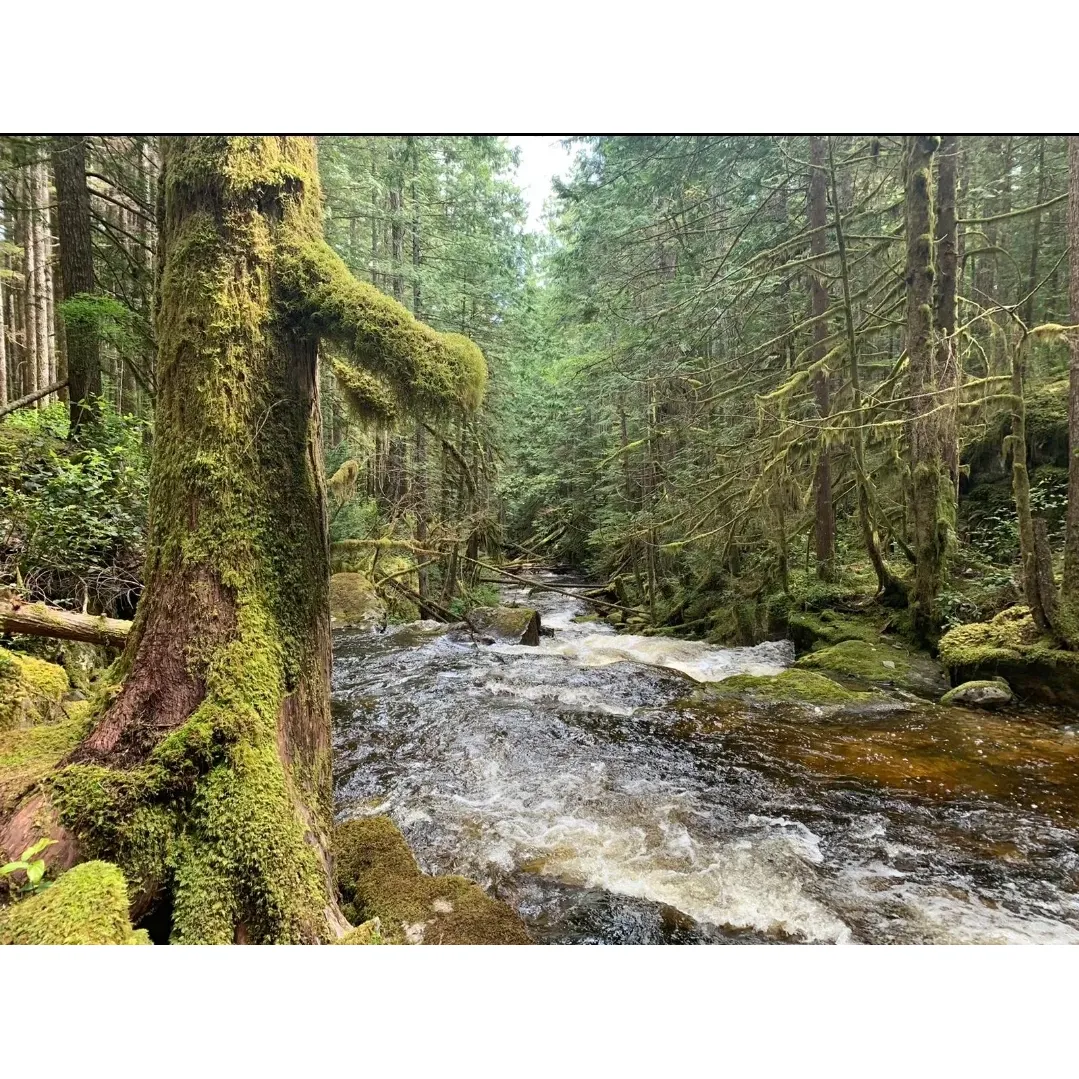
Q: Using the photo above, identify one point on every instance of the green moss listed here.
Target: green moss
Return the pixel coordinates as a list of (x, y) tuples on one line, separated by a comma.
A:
[(29, 754), (87, 905), (859, 659), (792, 686), (378, 878), (1008, 637), (30, 690), (427, 370), (370, 932)]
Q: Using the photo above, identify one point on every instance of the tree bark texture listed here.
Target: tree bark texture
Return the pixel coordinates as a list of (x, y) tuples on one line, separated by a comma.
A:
[(77, 274)]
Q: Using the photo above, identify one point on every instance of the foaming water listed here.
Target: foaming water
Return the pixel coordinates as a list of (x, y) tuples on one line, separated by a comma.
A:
[(578, 781)]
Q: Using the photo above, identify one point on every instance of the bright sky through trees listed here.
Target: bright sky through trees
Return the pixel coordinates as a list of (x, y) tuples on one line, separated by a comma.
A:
[(542, 156)]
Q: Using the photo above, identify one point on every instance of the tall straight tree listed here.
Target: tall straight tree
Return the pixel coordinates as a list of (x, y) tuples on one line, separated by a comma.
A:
[(1069, 596), (207, 778), (77, 275), (817, 215), (925, 450)]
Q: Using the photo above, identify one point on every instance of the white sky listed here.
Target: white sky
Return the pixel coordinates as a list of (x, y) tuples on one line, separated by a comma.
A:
[(542, 157)]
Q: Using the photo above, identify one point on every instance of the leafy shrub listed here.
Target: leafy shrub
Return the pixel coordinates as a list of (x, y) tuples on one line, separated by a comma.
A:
[(73, 517)]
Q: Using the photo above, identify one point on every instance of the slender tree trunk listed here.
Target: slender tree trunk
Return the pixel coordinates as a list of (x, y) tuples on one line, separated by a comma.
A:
[(41, 290), (946, 354), (29, 262), (77, 276), (1042, 603), (890, 589), (1069, 596), (824, 521), (1027, 311)]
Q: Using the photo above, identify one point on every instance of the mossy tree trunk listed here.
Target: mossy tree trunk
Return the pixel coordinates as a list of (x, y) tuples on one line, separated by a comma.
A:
[(928, 474), (208, 777)]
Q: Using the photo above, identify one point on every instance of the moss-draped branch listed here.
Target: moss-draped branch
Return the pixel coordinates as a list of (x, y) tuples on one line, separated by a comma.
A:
[(386, 358)]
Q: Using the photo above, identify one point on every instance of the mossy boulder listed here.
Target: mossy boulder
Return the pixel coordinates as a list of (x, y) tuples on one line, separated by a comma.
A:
[(30, 690), (354, 601), (378, 877), (369, 932), (985, 693), (882, 663), (87, 905), (791, 687), (813, 629), (1011, 646), (506, 625)]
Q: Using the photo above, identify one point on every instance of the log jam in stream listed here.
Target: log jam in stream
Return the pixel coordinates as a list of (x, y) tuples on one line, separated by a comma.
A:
[(584, 782)]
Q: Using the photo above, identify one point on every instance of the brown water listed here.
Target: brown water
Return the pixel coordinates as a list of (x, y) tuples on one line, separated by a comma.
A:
[(582, 783)]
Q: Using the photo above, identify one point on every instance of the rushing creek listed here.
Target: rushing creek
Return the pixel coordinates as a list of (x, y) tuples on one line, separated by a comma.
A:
[(583, 783)]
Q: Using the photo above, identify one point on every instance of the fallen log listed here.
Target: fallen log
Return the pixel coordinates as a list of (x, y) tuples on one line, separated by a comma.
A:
[(30, 398), (39, 620), (551, 587)]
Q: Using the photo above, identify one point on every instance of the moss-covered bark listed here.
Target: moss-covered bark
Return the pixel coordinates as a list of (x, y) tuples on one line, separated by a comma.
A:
[(208, 778)]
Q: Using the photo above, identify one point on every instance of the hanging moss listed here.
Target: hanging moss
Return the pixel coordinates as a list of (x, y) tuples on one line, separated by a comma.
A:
[(378, 878), (87, 905)]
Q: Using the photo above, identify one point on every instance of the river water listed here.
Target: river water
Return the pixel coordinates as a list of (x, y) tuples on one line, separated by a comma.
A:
[(583, 783)]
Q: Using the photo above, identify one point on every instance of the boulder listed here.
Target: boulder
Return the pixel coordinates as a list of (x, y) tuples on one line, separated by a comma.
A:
[(1012, 647), (506, 625), (985, 693), (381, 884), (31, 690), (354, 602), (883, 663)]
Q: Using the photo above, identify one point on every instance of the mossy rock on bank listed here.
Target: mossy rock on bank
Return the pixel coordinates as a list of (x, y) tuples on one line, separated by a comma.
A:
[(354, 601), (879, 664), (87, 905), (984, 693), (1011, 647), (378, 877), (31, 690), (506, 625), (789, 687), (813, 629)]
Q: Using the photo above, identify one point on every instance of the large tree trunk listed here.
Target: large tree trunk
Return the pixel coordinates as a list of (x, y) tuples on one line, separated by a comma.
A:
[(925, 456), (824, 520), (77, 275), (208, 778)]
